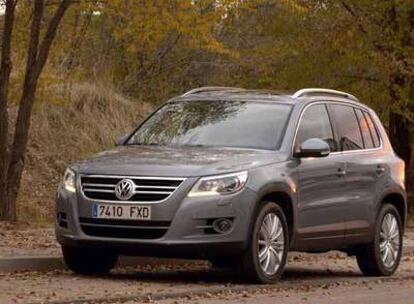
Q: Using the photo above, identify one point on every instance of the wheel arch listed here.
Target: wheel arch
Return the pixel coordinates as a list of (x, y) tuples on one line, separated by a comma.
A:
[(398, 200), (284, 197)]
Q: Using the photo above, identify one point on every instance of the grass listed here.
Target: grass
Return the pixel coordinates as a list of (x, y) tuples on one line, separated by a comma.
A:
[(71, 124)]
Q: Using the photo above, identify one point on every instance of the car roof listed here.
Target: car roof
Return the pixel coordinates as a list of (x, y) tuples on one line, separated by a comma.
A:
[(301, 97)]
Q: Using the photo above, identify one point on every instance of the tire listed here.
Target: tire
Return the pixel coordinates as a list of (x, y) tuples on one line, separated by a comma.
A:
[(250, 265), (88, 261), (371, 258)]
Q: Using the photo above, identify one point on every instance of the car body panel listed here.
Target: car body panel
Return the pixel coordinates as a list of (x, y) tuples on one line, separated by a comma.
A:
[(322, 202)]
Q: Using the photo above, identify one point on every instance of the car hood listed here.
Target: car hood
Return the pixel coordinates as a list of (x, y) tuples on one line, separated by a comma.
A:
[(175, 161)]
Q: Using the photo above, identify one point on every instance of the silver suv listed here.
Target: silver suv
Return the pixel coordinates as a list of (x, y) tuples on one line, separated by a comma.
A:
[(240, 177)]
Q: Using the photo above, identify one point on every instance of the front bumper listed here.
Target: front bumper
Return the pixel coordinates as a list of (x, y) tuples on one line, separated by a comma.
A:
[(188, 219)]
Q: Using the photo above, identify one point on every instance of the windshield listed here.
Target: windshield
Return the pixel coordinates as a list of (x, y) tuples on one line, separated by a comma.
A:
[(216, 124)]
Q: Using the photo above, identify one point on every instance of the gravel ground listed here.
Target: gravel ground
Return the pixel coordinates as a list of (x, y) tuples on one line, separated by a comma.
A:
[(400, 292), (28, 242), (306, 273)]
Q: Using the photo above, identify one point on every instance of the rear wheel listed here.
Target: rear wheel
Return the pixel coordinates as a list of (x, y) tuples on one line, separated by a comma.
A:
[(265, 258), (382, 256), (88, 261)]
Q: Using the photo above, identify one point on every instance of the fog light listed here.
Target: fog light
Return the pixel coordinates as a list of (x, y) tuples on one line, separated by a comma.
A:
[(62, 220), (222, 225)]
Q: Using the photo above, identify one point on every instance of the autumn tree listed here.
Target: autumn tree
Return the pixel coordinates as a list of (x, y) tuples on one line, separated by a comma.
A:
[(12, 155), (362, 46), (145, 48), (388, 28), (136, 43)]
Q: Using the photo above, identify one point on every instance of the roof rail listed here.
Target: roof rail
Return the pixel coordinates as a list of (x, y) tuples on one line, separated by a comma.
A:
[(211, 89), (315, 91)]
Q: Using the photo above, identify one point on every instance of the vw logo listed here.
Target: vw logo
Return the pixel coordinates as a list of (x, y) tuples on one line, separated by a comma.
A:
[(124, 189)]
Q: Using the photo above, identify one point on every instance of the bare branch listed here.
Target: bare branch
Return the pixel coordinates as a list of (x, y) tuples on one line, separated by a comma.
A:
[(50, 35), (34, 36), (353, 13)]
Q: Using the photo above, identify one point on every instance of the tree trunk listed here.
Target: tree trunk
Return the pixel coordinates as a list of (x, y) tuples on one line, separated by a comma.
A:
[(36, 59), (5, 69), (19, 146), (400, 136), (400, 132), (25, 108)]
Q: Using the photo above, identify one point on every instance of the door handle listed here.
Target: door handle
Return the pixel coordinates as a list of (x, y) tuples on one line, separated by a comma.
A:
[(380, 170), (341, 172)]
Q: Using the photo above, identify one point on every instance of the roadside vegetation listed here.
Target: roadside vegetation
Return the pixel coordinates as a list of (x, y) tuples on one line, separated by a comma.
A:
[(111, 62), (87, 120)]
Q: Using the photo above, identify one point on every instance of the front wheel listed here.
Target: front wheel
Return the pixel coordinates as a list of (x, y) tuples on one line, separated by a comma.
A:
[(265, 258), (88, 261), (382, 256)]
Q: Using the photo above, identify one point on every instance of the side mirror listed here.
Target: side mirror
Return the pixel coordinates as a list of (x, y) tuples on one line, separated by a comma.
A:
[(121, 140), (313, 147)]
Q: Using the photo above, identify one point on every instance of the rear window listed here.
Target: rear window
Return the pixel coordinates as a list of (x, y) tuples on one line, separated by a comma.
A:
[(373, 130), (365, 130), (347, 127)]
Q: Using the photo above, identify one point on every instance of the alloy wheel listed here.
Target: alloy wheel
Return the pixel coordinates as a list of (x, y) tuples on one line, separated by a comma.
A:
[(389, 240), (271, 244)]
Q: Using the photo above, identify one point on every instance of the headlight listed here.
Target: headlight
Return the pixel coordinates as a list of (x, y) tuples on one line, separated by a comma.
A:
[(219, 184), (69, 180)]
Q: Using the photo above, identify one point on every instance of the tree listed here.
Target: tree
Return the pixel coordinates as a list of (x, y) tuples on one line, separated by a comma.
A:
[(389, 30), (12, 155), (361, 46), (141, 45)]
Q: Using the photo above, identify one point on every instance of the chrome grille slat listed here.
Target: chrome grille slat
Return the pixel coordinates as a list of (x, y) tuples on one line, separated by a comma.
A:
[(154, 192), (98, 185), (98, 190), (146, 189), (156, 187)]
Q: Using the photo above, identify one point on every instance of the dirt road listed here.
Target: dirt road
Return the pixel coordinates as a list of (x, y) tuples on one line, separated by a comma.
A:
[(310, 278), (401, 292)]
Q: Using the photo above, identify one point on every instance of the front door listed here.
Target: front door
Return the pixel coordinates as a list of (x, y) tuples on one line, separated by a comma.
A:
[(321, 204)]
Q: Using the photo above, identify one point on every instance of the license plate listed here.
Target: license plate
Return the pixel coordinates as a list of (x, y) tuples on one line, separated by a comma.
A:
[(126, 212)]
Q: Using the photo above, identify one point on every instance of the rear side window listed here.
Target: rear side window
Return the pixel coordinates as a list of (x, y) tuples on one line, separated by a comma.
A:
[(373, 130), (365, 130), (346, 123), (315, 123)]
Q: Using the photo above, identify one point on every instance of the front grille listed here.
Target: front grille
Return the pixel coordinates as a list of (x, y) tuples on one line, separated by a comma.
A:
[(124, 228), (146, 189)]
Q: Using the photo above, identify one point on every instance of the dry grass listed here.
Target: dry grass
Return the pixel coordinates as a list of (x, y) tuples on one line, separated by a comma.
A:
[(71, 124)]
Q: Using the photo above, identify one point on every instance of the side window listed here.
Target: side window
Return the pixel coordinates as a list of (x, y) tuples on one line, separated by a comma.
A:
[(315, 123), (365, 130), (347, 127), (373, 130)]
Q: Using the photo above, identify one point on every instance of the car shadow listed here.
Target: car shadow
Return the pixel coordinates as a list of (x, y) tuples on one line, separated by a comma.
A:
[(224, 276)]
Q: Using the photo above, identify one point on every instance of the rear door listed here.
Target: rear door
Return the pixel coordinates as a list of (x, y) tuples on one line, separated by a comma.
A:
[(321, 207), (357, 146)]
